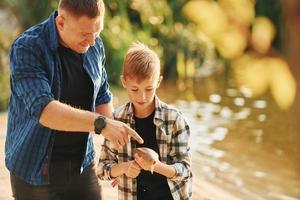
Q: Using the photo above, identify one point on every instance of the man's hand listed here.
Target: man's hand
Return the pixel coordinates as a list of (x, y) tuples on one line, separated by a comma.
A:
[(133, 169), (119, 133)]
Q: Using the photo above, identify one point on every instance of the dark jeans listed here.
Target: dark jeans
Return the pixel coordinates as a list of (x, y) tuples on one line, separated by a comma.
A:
[(65, 184)]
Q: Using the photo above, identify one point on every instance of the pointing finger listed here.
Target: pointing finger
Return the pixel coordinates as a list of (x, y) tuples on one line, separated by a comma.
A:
[(135, 135)]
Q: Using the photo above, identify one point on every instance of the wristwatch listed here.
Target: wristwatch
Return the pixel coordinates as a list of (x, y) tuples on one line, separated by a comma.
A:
[(99, 124)]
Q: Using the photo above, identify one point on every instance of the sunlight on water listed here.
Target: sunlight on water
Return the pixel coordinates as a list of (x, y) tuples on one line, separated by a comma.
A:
[(246, 145)]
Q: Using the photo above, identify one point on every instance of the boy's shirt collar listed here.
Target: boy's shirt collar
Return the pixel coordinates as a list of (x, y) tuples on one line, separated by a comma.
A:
[(159, 117)]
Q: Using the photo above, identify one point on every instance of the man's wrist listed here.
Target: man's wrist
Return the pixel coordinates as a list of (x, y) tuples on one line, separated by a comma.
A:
[(99, 124)]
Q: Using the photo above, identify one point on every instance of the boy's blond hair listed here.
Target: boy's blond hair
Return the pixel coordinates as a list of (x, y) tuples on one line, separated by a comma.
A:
[(141, 62)]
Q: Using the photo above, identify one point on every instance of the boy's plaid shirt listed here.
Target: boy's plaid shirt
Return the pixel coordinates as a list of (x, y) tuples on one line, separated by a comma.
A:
[(172, 134)]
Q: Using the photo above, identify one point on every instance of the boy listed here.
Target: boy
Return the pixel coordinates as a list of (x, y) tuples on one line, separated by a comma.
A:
[(163, 130)]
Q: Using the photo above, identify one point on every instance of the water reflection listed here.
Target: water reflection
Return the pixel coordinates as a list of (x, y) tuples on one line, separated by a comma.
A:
[(245, 145)]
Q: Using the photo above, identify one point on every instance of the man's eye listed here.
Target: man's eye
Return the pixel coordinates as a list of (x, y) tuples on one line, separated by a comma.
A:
[(85, 34), (134, 90), (149, 89)]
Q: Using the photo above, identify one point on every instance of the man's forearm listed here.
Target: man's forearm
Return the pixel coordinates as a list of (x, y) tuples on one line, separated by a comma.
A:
[(105, 109), (59, 116)]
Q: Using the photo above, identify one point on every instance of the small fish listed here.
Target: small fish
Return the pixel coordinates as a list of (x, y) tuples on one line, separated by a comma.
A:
[(149, 155)]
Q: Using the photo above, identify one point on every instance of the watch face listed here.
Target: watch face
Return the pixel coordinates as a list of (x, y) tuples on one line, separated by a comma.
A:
[(100, 123)]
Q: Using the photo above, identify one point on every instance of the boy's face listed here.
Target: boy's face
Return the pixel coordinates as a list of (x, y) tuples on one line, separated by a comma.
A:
[(141, 93)]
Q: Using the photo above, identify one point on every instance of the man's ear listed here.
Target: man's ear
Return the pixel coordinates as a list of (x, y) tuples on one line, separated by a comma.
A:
[(60, 21), (123, 81)]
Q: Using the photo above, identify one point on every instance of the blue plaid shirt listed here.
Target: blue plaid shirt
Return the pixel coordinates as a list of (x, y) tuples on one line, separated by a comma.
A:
[(35, 81)]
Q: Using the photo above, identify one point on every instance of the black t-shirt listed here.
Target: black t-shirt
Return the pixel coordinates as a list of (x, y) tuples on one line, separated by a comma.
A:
[(150, 186), (77, 91)]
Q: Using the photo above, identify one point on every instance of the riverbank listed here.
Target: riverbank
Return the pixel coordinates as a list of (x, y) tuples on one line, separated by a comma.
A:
[(202, 190)]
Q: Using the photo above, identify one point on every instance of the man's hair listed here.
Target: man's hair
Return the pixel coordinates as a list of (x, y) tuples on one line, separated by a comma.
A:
[(91, 8), (140, 62)]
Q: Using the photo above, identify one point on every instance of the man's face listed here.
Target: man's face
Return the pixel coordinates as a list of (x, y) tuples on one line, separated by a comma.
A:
[(78, 33), (141, 93)]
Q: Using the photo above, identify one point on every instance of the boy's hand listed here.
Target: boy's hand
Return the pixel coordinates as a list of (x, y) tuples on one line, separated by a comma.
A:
[(146, 158), (133, 169)]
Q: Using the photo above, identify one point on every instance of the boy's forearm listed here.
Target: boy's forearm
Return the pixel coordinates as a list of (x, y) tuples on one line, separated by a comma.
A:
[(176, 172), (164, 169)]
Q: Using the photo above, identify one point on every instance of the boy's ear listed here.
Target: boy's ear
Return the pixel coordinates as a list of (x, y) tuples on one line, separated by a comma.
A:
[(159, 80), (123, 81)]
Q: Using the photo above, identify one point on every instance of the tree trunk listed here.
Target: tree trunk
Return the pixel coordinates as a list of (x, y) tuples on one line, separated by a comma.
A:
[(291, 13)]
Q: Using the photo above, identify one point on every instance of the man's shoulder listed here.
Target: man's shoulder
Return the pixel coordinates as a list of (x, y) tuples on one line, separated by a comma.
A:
[(35, 36)]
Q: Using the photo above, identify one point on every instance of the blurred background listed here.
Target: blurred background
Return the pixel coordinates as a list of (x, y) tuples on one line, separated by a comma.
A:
[(231, 66)]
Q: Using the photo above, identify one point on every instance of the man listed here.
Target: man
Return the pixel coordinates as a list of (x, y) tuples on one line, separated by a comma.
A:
[(59, 93)]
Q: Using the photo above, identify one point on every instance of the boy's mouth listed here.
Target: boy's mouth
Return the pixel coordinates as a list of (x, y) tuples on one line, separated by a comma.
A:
[(141, 103)]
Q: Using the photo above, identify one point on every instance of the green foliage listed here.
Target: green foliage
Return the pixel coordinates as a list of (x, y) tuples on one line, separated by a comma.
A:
[(118, 35), (30, 12), (160, 25)]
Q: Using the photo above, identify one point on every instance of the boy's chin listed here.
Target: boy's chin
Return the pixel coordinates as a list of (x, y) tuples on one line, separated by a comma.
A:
[(139, 106)]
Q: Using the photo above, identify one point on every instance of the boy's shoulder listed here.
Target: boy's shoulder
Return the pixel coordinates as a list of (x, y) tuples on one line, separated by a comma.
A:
[(168, 111), (167, 108)]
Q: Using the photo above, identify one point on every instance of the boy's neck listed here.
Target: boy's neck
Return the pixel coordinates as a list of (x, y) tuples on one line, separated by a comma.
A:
[(143, 113)]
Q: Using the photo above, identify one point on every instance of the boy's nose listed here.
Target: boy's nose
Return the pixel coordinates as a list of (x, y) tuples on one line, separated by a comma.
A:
[(143, 95)]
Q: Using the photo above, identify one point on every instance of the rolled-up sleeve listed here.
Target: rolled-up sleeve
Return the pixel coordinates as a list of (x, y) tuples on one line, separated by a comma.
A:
[(104, 95), (29, 81), (180, 150), (108, 158)]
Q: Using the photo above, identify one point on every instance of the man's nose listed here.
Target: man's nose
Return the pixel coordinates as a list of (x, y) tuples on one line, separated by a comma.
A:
[(92, 39)]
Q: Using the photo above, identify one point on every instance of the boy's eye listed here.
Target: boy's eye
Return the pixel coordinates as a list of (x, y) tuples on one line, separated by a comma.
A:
[(149, 89), (134, 90)]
